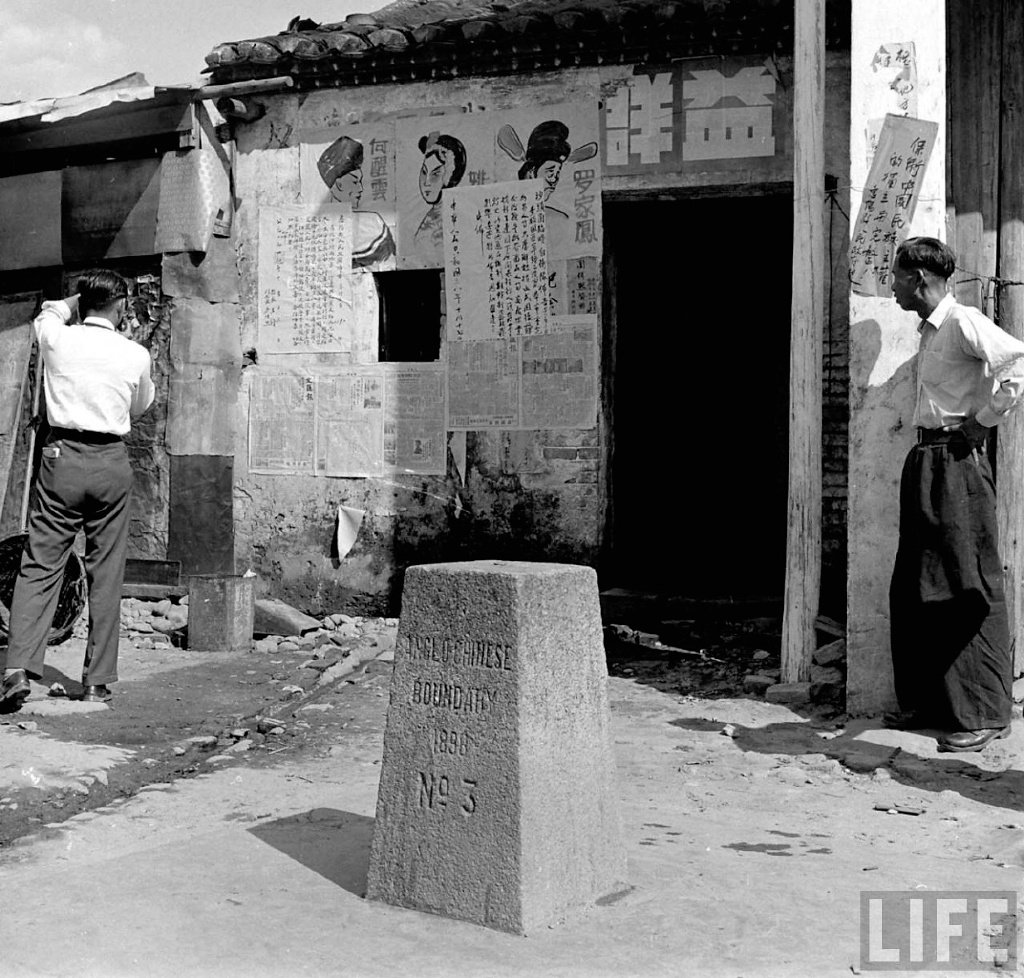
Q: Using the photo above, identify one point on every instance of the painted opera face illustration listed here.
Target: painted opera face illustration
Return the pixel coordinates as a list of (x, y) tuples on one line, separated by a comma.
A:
[(547, 151), (444, 164), (341, 169)]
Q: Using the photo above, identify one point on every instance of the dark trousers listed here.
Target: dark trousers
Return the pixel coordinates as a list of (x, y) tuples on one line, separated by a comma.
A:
[(86, 487), (951, 651)]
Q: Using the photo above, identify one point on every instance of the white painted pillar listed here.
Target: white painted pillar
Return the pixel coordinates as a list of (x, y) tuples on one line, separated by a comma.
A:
[(883, 339)]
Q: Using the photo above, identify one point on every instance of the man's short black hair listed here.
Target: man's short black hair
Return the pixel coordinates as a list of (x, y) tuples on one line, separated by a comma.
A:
[(931, 254), (100, 288)]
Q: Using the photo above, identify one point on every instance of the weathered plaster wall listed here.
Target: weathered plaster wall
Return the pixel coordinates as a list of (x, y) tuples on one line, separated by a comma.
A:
[(532, 495), (883, 343), (528, 494)]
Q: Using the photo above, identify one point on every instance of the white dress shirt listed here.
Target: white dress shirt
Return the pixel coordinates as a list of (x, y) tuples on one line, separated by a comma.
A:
[(967, 367), (95, 379)]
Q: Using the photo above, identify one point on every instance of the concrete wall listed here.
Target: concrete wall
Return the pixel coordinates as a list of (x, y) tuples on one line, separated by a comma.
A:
[(528, 494), (883, 342)]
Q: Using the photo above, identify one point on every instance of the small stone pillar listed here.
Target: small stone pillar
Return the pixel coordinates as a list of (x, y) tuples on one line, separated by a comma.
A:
[(498, 801)]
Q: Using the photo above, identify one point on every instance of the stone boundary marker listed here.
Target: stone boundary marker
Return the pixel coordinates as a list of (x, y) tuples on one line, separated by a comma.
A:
[(498, 802)]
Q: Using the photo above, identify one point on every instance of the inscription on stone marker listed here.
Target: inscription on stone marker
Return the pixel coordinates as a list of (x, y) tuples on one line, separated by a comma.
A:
[(458, 687), (436, 793)]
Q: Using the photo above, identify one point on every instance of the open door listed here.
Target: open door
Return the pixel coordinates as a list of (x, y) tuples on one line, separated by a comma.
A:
[(699, 395)]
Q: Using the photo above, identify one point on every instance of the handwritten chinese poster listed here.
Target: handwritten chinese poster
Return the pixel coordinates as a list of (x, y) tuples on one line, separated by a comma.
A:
[(305, 268), (496, 267), (888, 202)]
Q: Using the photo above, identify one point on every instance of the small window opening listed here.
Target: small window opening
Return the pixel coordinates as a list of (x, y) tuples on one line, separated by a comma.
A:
[(410, 315)]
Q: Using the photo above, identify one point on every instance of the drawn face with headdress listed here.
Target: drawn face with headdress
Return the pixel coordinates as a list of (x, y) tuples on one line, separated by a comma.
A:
[(341, 169), (444, 163), (547, 150)]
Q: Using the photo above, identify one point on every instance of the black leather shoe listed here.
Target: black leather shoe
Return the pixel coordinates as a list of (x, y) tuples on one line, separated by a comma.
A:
[(97, 694), (970, 740), (14, 691)]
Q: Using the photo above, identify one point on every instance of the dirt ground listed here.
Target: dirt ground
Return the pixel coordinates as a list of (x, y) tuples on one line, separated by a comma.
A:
[(731, 804)]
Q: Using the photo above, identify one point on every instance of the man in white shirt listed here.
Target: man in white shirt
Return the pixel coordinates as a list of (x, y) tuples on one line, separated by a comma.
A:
[(952, 659), (96, 380)]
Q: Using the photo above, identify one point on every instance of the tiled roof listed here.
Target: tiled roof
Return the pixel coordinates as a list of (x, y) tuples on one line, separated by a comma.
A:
[(423, 39)]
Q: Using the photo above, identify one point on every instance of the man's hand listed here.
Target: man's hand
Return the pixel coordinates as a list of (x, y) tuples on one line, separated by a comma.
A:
[(973, 431)]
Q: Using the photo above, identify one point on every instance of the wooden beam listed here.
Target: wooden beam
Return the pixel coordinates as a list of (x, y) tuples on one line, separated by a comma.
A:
[(104, 126), (1010, 305), (973, 47), (803, 527), (255, 87)]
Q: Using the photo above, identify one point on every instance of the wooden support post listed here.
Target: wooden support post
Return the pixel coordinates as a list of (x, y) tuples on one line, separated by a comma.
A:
[(972, 176), (803, 531), (1010, 311)]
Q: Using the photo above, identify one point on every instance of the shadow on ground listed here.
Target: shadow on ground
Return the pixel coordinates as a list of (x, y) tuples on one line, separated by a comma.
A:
[(333, 843), (1004, 788)]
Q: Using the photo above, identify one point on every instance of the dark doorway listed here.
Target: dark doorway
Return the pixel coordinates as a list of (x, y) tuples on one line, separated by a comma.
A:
[(700, 395)]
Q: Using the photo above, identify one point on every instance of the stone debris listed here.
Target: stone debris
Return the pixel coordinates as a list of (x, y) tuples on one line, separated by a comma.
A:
[(273, 615), (789, 694), (757, 683), (833, 654)]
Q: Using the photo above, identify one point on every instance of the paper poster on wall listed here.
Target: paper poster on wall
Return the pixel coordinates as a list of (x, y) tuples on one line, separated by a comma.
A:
[(897, 64), (414, 418), (282, 413), (558, 145), (483, 385), (194, 192), (355, 166), (350, 422), (559, 375), (434, 154), (574, 286), (888, 201), (365, 317), (496, 267), (305, 272), (702, 114)]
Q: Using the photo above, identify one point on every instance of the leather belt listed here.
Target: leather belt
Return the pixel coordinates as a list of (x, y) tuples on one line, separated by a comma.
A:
[(88, 437), (935, 436)]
